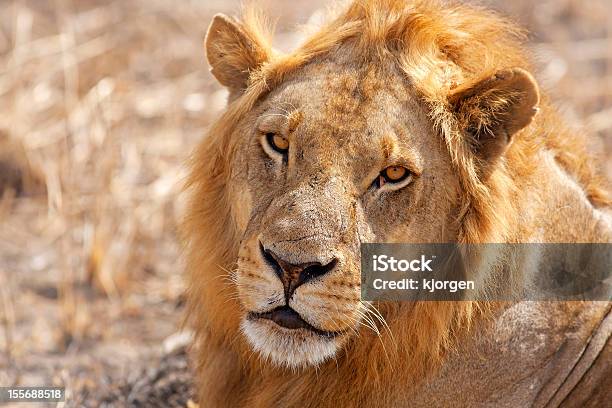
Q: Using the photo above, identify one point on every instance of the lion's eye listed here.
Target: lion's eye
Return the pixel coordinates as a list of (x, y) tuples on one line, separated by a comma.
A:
[(393, 174), (277, 142)]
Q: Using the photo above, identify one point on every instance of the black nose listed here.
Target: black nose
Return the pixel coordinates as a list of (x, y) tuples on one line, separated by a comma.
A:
[(294, 275)]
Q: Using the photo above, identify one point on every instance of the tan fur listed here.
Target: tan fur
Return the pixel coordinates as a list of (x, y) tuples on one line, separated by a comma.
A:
[(437, 61)]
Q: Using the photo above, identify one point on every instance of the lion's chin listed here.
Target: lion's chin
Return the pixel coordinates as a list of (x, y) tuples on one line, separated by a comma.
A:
[(297, 348)]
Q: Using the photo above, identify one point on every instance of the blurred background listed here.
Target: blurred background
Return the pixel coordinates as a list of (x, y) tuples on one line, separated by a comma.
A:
[(101, 101)]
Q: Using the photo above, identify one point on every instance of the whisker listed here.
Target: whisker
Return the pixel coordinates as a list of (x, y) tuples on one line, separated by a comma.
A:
[(368, 319), (369, 307)]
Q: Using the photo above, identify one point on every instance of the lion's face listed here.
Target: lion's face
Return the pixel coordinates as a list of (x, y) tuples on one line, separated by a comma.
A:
[(334, 151), (332, 158)]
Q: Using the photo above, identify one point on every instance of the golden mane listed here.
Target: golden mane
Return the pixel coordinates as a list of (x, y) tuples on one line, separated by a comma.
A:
[(438, 48)]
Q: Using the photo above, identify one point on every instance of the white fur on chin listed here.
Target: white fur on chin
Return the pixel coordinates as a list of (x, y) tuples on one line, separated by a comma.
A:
[(292, 350)]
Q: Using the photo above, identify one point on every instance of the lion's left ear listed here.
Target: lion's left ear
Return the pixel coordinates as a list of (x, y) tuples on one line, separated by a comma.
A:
[(234, 50), (490, 110)]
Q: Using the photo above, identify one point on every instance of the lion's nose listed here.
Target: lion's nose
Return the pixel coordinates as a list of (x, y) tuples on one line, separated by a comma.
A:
[(294, 275)]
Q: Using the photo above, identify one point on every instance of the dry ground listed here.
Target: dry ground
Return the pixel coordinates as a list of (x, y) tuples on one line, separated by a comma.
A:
[(100, 103)]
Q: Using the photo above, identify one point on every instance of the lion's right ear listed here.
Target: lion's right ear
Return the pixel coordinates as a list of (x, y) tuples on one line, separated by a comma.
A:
[(234, 51), (490, 110)]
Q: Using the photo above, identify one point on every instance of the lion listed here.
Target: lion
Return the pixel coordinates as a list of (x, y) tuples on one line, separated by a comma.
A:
[(395, 121)]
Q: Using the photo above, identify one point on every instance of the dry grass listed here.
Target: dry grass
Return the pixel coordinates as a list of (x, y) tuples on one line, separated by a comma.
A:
[(100, 103)]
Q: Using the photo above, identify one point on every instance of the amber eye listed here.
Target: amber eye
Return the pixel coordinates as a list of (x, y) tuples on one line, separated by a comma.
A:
[(278, 142), (393, 174)]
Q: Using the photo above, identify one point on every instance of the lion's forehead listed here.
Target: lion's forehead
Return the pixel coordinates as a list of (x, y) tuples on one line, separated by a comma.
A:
[(342, 96), (352, 108)]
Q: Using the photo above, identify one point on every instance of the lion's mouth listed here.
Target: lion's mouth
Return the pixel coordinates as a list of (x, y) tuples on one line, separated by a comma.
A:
[(286, 317)]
